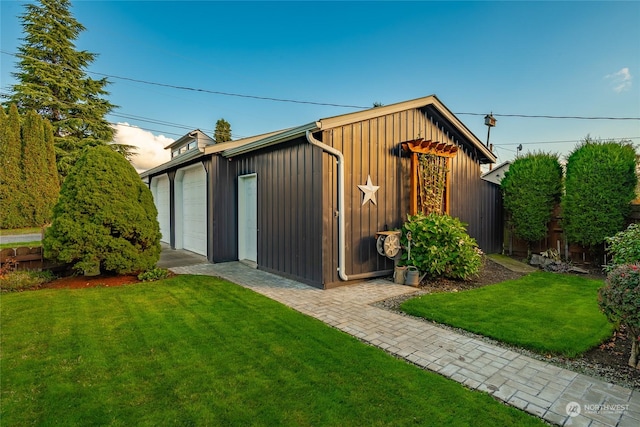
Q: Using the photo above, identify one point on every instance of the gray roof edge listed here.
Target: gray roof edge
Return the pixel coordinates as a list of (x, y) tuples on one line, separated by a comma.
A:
[(497, 168), (278, 138), (176, 161)]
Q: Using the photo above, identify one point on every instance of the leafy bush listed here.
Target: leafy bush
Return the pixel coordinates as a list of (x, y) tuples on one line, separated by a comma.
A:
[(531, 187), (154, 274), (105, 217), (619, 300), (624, 247), (15, 281), (440, 246), (600, 185)]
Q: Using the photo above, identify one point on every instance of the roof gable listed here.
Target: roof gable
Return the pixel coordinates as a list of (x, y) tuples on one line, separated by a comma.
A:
[(195, 135), (431, 102)]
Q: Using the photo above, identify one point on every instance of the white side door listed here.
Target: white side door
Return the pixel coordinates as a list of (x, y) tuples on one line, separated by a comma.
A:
[(248, 218)]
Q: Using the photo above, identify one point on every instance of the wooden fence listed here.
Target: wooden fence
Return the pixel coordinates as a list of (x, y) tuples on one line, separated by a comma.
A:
[(25, 257), (556, 239)]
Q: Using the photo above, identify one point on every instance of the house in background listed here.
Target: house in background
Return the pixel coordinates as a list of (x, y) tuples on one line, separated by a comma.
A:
[(307, 202), (496, 174)]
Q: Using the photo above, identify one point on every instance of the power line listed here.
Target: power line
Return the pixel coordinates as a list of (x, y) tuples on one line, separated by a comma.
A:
[(215, 92), (147, 129), (564, 142), (236, 136), (546, 116), (154, 121), (193, 89), (211, 132), (267, 98), (165, 123)]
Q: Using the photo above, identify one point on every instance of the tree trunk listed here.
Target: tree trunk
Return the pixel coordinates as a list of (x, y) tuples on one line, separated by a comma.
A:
[(634, 359)]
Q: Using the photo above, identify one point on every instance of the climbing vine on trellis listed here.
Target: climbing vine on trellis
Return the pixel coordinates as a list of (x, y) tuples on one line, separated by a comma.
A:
[(432, 180)]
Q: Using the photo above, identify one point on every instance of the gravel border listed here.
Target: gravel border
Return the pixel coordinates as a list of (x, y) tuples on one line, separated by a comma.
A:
[(605, 373)]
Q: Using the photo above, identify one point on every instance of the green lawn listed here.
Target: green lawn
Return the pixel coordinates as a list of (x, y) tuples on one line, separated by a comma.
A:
[(32, 244), (544, 312), (19, 231), (194, 350)]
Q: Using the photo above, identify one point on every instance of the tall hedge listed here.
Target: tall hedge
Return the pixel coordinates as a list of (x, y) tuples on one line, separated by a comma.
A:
[(29, 183), (11, 176), (42, 187), (105, 217), (531, 188), (600, 185)]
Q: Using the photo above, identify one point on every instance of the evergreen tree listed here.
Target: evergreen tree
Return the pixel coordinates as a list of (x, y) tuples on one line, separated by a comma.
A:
[(532, 187), (51, 189), (11, 177), (35, 169), (105, 217), (52, 81), (600, 185), (222, 132)]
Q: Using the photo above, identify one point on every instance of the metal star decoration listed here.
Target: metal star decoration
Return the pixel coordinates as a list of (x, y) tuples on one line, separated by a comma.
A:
[(369, 191)]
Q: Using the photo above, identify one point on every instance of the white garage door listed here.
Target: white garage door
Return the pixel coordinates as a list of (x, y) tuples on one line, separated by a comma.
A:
[(194, 210), (160, 191)]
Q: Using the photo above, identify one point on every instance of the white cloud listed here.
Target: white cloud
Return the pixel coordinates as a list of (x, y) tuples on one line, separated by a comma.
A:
[(621, 81), (149, 147)]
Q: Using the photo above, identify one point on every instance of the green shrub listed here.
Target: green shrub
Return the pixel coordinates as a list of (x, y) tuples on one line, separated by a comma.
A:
[(15, 281), (624, 247), (440, 246), (600, 185), (29, 183), (154, 274), (619, 300), (531, 188), (105, 217)]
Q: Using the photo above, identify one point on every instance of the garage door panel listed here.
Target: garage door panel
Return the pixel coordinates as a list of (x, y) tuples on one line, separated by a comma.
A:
[(161, 199), (194, 198)]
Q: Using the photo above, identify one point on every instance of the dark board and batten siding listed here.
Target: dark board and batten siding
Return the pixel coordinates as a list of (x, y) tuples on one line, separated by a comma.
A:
[(371, 147), (289, 179), (223, 222)]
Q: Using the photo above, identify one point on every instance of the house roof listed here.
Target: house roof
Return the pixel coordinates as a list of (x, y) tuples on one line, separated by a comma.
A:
[(176, 161), (230, 145), (202, 138), (496, 174), (270, 139), (335, 121), (245, 145)]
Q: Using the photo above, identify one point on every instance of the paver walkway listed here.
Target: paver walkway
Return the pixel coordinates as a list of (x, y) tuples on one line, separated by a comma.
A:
[(557, 395)]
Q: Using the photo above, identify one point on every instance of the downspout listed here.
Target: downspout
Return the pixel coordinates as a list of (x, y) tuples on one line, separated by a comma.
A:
[(342, 273)]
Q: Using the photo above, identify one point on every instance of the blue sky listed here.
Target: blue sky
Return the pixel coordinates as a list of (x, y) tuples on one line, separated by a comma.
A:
[(529, 58)]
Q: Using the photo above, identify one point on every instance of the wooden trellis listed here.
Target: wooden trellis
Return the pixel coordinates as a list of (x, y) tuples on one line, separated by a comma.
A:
[(430, 169)]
